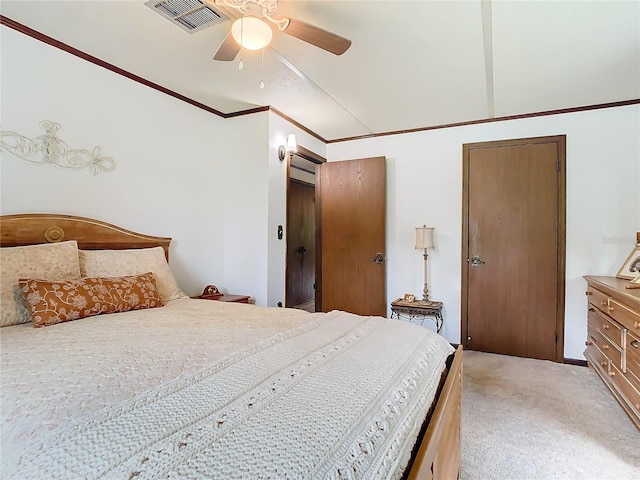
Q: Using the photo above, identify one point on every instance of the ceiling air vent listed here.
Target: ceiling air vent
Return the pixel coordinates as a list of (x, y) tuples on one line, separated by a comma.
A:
[(190, 15)]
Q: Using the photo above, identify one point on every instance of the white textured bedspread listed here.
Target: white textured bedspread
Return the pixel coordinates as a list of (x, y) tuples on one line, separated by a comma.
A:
[(204, 389)]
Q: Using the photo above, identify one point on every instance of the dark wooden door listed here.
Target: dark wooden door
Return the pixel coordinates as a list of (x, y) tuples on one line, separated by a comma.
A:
[(301, 243), (351, 210), (513, 247)]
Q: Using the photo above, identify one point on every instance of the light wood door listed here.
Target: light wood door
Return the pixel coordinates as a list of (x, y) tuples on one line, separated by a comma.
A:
[(301, 243), (351, 212), (513, 247)]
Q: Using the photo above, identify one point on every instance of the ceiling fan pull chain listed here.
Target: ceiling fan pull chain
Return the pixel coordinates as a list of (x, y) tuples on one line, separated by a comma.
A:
[(262, 71), (241, 63)]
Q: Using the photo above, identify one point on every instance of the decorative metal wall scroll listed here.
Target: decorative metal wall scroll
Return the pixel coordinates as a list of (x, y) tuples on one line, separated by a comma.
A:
[(49, 149)]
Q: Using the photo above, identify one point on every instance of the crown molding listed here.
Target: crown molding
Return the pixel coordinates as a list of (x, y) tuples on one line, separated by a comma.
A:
[(491, 120)]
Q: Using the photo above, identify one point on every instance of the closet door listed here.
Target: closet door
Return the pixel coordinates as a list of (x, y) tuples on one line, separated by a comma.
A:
[(513, 247)]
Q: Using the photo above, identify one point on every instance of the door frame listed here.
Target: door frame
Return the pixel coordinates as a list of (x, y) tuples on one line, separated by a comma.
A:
[(317, 160), (560, 140)]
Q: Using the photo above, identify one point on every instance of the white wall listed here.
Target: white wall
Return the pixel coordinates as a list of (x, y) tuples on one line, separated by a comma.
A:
[(424, 186), (245, 207), (180, 171)]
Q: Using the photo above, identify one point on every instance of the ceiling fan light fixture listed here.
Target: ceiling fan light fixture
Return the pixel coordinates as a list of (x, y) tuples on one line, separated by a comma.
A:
[(251, 32)]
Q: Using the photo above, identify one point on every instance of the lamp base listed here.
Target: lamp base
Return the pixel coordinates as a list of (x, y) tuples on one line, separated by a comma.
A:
[(425, 291)]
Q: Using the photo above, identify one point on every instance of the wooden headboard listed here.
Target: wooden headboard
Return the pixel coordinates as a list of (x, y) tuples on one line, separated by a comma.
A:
[(34, 228)]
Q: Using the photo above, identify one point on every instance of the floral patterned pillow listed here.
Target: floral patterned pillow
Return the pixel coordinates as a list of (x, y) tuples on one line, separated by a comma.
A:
[(52, 302)]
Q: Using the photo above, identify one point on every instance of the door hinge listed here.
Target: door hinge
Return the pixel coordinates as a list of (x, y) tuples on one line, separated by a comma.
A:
[(556, 338), (557, 165)]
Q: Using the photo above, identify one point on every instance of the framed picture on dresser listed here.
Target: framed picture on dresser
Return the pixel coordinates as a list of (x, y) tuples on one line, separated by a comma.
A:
[(631, 267)]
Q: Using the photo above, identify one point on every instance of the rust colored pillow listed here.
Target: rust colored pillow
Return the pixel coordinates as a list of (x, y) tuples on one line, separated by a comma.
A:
[(51, 302)]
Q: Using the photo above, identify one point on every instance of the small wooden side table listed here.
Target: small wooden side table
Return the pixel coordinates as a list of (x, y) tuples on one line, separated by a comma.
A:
[(418, 309), (211, 293)]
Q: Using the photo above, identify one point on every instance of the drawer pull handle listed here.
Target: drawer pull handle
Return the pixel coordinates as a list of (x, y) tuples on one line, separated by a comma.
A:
[(588, 293), (636, 325), (612, 374), (605, 347), (604, 364), (591, 309), (610, 308), (587, 343), (605, 326), (634, 344)]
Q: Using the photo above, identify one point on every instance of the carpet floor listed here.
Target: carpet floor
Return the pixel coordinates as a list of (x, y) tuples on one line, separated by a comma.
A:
[(533, 419)]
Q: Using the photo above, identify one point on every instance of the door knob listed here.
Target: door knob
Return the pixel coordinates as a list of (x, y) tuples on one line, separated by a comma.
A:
[(379, 259), (475, 261)]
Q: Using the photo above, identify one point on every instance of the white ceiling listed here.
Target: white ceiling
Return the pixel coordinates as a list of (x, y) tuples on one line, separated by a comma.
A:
[(412, 64)]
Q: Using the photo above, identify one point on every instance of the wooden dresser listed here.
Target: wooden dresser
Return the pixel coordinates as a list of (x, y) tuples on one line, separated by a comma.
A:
[(613, 339)]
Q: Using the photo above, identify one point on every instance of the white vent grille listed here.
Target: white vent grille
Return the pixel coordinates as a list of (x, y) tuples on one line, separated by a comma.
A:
[(190, 15)]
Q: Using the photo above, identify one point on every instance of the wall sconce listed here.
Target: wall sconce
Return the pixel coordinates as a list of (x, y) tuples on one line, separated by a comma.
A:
[(290, 149), (424, 241)]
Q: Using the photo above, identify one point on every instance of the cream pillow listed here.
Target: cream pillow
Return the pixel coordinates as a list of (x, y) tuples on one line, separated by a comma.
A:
[(136, 261), (48, 261)]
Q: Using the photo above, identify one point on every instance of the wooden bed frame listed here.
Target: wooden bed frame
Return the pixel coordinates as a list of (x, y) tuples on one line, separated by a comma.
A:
[(439, 451)]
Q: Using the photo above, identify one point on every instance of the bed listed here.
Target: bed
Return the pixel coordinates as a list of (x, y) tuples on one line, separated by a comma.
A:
[(175, 387)]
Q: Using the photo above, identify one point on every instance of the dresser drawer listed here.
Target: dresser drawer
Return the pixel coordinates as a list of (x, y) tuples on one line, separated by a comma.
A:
[(607, 347), (612, 330), (633, 352), (596, 357), (634, 327), (597, 298), (623, 314), (634, 379), (631, 393)]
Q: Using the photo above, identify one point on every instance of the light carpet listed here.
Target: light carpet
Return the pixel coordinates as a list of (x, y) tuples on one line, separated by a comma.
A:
[(533, 419)]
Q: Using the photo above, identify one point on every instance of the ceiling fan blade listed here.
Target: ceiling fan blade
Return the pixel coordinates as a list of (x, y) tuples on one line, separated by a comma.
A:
[(228, 50), (317, 36)]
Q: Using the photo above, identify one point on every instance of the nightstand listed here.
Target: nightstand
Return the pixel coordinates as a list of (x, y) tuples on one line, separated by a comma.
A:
[(211, 292), (418, 309)]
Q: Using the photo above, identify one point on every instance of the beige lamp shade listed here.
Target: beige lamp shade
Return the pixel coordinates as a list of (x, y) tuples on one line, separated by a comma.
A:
[(424, 237)]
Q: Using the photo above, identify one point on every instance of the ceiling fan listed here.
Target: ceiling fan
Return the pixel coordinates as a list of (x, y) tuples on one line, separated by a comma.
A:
[(251, 31)]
